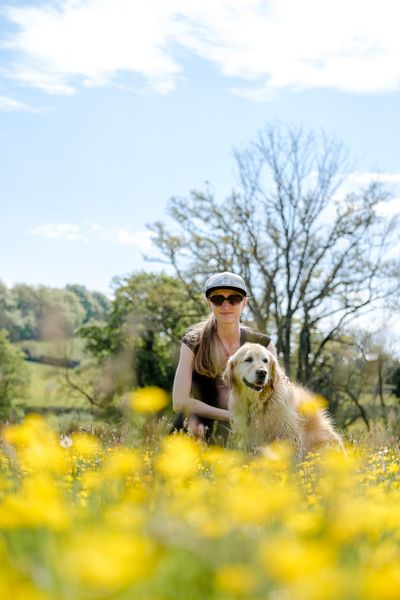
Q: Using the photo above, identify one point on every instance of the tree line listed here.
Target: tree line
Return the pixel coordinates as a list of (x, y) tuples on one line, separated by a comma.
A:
[(43, 313)]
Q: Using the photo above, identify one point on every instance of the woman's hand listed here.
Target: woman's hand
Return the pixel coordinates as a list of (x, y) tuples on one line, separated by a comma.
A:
[(195, 428)]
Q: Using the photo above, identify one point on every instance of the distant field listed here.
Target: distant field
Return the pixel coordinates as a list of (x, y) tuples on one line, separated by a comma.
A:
[(45, 391), (46, 394)]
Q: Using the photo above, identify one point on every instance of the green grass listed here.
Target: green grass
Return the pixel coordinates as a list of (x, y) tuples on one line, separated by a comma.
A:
[(63, 410), (48, 394), (45, 391)]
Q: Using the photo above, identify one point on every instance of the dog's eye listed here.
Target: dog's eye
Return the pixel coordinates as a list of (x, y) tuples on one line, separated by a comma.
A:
[(265, 360), (248, 359)]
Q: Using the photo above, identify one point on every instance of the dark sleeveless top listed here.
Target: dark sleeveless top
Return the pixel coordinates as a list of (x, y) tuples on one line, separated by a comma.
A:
[(205, 388)]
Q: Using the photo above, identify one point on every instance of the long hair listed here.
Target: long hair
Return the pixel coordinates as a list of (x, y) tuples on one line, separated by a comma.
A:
[(209, 358)]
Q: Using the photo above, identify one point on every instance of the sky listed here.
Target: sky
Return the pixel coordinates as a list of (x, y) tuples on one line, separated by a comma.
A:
[(108, 108)]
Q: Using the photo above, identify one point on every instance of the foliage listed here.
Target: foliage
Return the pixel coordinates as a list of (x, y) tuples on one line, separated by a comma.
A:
[(37, 313), (313, 256), (138, 344), (14, 375), (95, 304), (177, 520)]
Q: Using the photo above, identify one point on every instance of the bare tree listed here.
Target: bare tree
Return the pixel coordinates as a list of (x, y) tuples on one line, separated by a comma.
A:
[(314, 257)]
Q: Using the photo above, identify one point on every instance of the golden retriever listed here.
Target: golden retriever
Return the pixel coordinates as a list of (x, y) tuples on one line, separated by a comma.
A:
[(265, 406)]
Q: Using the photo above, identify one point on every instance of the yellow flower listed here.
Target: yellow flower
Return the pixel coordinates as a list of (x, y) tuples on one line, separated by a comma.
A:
[(277, 455), (252, 501), (311, 404), (179, 457), (38, 504), (393, 468), (45, 456), (236, 579), (122, 462), (106, 561), (91, 480), (291, 559), (27, 433), (222, 461), (148, 400), (382, 583), (85, 444)]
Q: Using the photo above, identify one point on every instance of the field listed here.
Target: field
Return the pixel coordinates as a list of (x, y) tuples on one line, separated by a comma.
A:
[(165, 518), (48, 394)]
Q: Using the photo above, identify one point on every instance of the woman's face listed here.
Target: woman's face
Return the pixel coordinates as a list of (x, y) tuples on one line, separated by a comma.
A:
[(227, 312)]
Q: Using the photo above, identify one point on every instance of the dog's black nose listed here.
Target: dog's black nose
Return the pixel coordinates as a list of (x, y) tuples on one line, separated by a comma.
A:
[(261, 373)]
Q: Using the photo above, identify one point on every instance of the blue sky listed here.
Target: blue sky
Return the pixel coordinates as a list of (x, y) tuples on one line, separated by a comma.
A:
[(110, 107)]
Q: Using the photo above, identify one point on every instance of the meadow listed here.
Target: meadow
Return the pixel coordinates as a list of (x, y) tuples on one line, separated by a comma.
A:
[(156, 517)]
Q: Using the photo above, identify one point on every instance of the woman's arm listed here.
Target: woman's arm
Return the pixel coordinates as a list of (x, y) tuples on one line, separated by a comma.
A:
[(181, 400)]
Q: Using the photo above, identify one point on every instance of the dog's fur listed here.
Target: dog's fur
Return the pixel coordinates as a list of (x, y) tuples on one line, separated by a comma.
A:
[(265, 406)]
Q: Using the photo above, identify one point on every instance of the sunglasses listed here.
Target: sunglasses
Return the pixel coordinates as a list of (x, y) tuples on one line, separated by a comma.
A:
[(233, 299)]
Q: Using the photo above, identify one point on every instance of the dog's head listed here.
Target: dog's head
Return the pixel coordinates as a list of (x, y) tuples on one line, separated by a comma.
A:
[(252, 366)]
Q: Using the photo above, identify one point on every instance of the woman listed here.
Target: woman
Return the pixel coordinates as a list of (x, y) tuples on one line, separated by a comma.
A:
[(199, 392)]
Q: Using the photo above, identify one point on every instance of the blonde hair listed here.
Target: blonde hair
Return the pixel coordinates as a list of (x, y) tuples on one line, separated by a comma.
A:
[(209, 358)]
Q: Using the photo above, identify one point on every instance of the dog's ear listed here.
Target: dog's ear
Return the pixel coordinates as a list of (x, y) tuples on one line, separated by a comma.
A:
[(276, 372), (227, 375)]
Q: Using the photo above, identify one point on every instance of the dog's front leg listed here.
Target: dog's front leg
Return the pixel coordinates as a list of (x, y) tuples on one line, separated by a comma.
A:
[(240, 437)]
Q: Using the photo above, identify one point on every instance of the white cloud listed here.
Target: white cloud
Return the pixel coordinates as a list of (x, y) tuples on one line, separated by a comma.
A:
[(56, 231), (142, 239), (94, 232), (11, 104), (351, 46), (91, 41)]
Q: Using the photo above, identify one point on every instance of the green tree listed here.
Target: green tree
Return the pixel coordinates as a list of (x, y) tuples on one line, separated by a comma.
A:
[(31, 313), (25, 317), (14, 375), (59, 313), (7, 308), (138, 344), (95, 304)]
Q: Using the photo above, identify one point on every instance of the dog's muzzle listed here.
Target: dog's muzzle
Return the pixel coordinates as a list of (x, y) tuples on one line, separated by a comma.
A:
[(257, 386)]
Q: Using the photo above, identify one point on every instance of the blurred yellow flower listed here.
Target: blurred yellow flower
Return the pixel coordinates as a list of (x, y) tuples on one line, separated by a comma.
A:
[(122, 462), (91, 480), (106, 561), (278, 455), (85, 444), (15, 586), (236, 579), (393, 468), (312, 404), (148, 400), (32, 430), (293, 559), (250, 500), (382, 583), (45, 456), (38, 504), (179, 457)]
